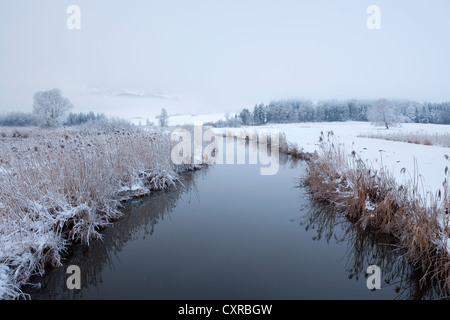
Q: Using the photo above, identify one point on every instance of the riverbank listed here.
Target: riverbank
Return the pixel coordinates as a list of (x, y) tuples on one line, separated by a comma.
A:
[(260, 238), (388, 187), (372, 199), (63, 186)]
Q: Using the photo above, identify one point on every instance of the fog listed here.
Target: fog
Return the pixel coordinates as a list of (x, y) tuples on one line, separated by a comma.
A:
[(132, 58)]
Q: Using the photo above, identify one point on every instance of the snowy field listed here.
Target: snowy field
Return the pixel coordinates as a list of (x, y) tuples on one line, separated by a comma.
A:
[(428, 161), (402, 159), (134, 157), (179, 120)]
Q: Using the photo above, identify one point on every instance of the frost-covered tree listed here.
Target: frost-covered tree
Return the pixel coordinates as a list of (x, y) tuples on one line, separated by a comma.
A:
[(395, 111), (246, 117), (163, 118), (50, 108), (382, 113), (75, 119), (259, 115), (16, 119)]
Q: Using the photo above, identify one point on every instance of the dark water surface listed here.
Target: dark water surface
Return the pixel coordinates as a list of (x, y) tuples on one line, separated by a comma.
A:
[(230, 233)]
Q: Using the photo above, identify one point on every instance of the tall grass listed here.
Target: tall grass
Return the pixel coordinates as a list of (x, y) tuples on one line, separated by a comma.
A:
[(413, 137), (140, 220), (367, 248), (285, 147), (58, 187), (371, 198)]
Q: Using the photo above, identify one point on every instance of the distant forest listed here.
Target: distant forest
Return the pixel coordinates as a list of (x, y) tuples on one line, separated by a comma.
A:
[(288, 111), (24, 119)]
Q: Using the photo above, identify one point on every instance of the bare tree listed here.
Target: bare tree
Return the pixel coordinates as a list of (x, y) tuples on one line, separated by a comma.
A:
[(382, 113), (50, 108), (163, 118)]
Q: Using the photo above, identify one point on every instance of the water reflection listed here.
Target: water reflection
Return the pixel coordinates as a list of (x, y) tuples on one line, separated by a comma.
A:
[(365, 249), (139, 221), (252, 248)]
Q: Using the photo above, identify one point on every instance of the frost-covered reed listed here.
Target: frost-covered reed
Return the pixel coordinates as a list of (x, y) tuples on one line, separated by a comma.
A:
[(371, 197), (436, 139), (63, 186)]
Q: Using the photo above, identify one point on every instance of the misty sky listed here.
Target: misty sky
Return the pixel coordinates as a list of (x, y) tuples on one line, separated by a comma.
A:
[(132, 58)]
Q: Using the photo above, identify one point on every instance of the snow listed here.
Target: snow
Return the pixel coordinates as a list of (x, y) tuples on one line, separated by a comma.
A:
[(134, 187), (4, 281), (370, 206), (33, 220), (428, 161), (181, 119), (404, 161), (20, 257)]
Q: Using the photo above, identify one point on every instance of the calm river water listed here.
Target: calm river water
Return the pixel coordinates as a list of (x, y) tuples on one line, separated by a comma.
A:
[(228, 232)]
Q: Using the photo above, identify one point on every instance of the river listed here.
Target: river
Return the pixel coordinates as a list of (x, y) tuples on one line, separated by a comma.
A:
[(227, 232)]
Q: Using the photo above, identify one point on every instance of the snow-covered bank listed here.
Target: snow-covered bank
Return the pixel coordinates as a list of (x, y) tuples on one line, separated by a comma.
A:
[(180, 119), (395, 188), (402, 159), (63, 186), (372, 199)]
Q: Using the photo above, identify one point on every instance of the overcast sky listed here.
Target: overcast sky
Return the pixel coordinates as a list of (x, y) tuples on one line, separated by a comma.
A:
[(134, 57)]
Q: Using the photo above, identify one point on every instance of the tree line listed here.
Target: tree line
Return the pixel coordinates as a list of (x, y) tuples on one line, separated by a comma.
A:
[(288, 111), (50, 109), (26, 119)]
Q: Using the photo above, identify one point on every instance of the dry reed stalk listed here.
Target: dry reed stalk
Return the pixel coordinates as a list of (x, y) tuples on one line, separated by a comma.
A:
[(59, 186), (412, 137), (372, 199)]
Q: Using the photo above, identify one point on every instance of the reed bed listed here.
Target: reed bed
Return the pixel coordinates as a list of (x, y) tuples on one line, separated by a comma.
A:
[(63, 186), (418, 137), (285, 147), (371, 198)]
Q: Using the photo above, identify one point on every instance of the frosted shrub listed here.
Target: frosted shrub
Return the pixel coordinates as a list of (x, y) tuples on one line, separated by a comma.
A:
[(107, 125)]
